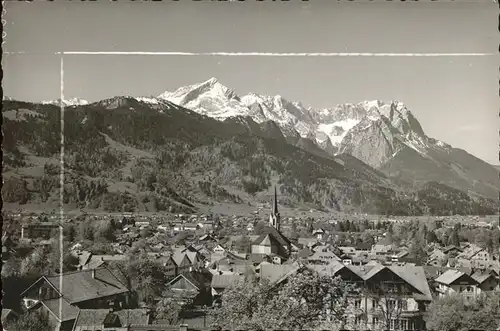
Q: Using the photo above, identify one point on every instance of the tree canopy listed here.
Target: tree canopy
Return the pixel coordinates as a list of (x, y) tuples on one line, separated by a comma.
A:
[(454, 313), (304, 301)]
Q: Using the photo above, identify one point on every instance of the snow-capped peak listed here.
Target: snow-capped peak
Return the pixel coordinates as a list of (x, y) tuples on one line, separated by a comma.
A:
[(209, 98), (67, 102), (335, 128), (211, 87), (212, 81), (371, 104)]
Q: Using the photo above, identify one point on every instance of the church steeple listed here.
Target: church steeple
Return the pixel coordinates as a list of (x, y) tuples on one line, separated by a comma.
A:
[(274, 218), (275, 206)]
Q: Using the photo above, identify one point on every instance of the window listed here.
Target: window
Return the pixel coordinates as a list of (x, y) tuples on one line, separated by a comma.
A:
[(374, 304), (404, 324), (403, 304), (357, 303), (357, 320), (375, 320)]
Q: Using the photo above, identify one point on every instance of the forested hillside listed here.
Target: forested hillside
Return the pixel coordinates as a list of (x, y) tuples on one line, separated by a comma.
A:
[(124, 155)]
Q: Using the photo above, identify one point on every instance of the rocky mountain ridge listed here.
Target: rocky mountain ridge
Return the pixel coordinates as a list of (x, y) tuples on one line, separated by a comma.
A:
[(385, 135)]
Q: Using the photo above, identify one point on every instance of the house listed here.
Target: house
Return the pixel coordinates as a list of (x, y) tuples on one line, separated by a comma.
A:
[(399, 256), (219, 249), (99, 261), (437, 257), (182, 262), (475, 253), (348, 250), (96, 288), (487, 281), (322, 254), (370, 305), (230, 264), (454, 281), (221, 282), (192, 288), (319, 233), (383, 246), (363, 247), (169, 263), (106, 319)]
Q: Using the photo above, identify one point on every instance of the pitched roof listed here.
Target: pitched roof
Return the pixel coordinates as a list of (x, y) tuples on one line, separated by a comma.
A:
[(95, 317), (83, 257), (412, 275), (179, 257), (415, 276), (451, 276), (363, 246), (198, 279), (330, 269), (223, 281), (481, 277), (373, 271), (275, 273), (284, 241), (97, 261), (69, 312), (268, 240), (323, 255), (81, 286)]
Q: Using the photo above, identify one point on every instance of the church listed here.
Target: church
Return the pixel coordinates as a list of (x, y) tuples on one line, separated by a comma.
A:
[(272, 244)]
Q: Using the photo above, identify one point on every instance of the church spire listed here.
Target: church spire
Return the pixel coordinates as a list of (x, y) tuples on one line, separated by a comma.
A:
[(274, 218), (275, 206)]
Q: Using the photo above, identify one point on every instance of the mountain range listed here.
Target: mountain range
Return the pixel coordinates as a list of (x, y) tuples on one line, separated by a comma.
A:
[(203, 144), (385, 135)]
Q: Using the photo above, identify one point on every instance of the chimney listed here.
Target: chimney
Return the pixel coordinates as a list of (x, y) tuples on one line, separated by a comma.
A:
[(93, 273), (183, 327)]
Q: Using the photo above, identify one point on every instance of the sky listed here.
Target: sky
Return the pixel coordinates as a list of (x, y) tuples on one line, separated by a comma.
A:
[(454, 98)]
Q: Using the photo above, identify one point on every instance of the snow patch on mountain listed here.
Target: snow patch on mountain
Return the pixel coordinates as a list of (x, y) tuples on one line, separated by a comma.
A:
[(336, 131), (149, 100), (67, 103)]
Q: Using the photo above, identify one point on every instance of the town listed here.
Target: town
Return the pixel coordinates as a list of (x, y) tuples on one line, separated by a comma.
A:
[(177, 271)]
